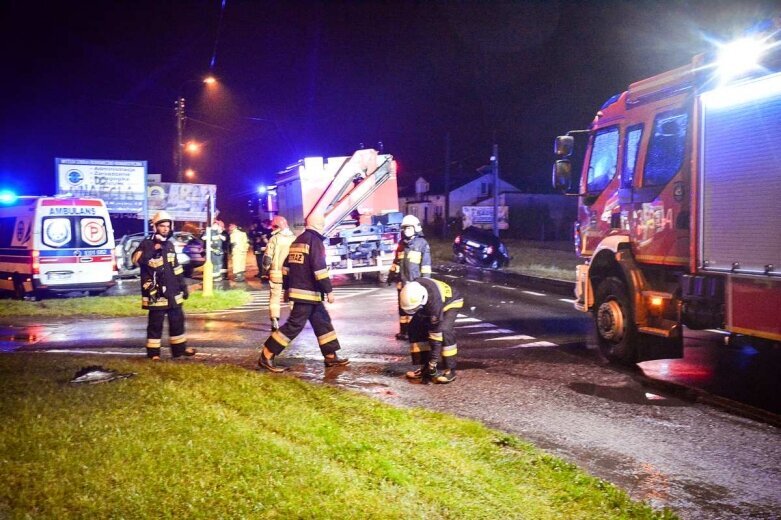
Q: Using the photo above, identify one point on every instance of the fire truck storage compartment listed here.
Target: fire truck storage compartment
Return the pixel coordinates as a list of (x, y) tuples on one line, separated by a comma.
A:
[(740, 182)]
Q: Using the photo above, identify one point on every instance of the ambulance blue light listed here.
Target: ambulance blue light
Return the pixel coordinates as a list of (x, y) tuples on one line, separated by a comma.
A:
[(7, 197)]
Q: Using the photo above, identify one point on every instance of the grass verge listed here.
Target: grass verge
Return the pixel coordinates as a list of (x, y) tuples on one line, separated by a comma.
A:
[(117, 306), (183, 440)]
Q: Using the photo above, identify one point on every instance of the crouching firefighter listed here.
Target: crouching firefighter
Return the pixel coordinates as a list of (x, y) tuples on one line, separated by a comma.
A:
[(163, 289), (412, 260), (433, 306)]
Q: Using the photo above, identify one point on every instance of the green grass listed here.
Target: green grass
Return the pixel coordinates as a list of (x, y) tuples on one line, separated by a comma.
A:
[(187, 440), (543, 259), (117, 306)]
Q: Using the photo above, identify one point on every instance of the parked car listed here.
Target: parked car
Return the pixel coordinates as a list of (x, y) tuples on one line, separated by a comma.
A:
[(480, 248), (189, 252)]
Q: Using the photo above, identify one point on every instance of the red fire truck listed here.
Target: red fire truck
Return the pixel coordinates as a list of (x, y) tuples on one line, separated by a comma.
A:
[(679, 214), (358, 196)]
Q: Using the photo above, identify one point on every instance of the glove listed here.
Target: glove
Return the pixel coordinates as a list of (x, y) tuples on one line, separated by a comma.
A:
[(185, 291)]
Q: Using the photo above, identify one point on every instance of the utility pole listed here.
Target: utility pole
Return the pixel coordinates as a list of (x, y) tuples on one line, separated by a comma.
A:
[(495, 168), (446, 216), (180, 118), (208, 267)]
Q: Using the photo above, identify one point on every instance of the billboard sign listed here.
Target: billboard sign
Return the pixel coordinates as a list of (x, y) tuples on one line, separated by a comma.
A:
[(121, 184), (184, 201), (483, 216)]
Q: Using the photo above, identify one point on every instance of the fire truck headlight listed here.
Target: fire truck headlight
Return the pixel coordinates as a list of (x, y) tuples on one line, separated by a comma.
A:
[(739, 57)]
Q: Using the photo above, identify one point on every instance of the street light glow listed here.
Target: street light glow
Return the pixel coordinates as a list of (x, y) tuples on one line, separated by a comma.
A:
[(189, 173), (210, 80), (262, 189), (192, 147)]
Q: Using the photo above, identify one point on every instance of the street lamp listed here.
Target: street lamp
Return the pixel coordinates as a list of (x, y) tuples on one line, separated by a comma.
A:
[(181, 119)]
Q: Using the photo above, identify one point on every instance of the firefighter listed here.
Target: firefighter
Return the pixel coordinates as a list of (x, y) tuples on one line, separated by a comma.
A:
[(163, 288), (307, 284), (412, 260), (433, 306), (239, 249), (275, 254)]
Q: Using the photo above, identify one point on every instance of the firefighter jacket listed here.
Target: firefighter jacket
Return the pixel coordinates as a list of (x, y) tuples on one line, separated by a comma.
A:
[(305, 273), (412, 260), (276, 253), (239, 242), (441, 298), (162, 278)]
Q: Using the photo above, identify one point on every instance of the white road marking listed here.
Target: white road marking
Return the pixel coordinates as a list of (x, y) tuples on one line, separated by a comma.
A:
[(476, 281), (535, 344), (478, 326), (505, 287), (492, 331), (719, 331), (508, 338), (467, 320), (450, 276), (568, 300), (533, 293), (98, 352)]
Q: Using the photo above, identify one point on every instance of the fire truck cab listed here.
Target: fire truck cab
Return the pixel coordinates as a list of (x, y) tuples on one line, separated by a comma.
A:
[(679, 210)]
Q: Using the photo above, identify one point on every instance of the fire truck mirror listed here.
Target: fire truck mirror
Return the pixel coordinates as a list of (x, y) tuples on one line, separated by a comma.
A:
[(564, 145), (562, 175)]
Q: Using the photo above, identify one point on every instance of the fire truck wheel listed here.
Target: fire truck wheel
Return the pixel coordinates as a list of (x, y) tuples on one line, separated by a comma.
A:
[(615, 324)]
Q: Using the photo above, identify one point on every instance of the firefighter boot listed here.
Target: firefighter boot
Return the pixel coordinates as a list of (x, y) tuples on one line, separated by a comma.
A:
[(153, 354), (267, 363), (448, 376), (182, 350)]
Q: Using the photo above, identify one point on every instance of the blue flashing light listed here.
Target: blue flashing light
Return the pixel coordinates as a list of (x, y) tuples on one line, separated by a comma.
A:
[(262, 189), (7, 197)]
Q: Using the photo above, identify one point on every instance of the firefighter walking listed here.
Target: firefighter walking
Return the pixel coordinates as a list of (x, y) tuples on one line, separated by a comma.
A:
[(163, 289), (274, 256), (307, 283), (239, 248), (433, 306), (412, 260)]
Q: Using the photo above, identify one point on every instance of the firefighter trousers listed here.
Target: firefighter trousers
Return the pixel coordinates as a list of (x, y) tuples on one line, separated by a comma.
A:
[(426, 345), (404, 318), (317, 315), (176, 335), (274, 299)]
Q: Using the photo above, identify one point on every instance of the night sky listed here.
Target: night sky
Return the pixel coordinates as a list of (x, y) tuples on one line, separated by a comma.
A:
[(98, 80)]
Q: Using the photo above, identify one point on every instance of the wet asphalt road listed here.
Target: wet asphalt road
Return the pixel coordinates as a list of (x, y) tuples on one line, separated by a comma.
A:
[(526, 368)]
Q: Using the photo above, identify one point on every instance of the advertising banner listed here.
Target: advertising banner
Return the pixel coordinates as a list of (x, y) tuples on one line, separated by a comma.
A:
[(184, 201), (121, 184), (483, 216)]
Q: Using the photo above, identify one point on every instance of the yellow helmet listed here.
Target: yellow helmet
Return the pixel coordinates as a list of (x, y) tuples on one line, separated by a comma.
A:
[(412, 297)]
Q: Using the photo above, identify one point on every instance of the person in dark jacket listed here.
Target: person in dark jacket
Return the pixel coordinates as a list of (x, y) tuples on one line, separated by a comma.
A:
[(306, 283), (412, 260), (163, 289), (433, 306)]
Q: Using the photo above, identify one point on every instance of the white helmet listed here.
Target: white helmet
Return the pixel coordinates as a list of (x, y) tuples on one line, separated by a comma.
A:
[(412, 297), (162, 216), (411, 221)]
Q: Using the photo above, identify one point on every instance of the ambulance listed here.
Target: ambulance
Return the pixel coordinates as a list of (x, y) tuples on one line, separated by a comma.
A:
[(56, 245)]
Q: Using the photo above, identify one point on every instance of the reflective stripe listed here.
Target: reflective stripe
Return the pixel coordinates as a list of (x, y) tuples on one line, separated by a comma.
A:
[(285, 271), (416, 347), (444, 290), (280, 338), (325, 338), (154, 263), (455, 304), (301, 294), (175, 340), (435, 336), (179, 298), (450, 350), (414, 257), (400, 255), (321, 274), (426, 269), (152, 343), (299, 248), (171, 257), (275, 276), (405, 319), (178, 269)]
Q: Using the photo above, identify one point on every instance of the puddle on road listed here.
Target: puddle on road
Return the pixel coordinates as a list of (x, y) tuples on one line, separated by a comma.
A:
[(625, 394), (13, 338)]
